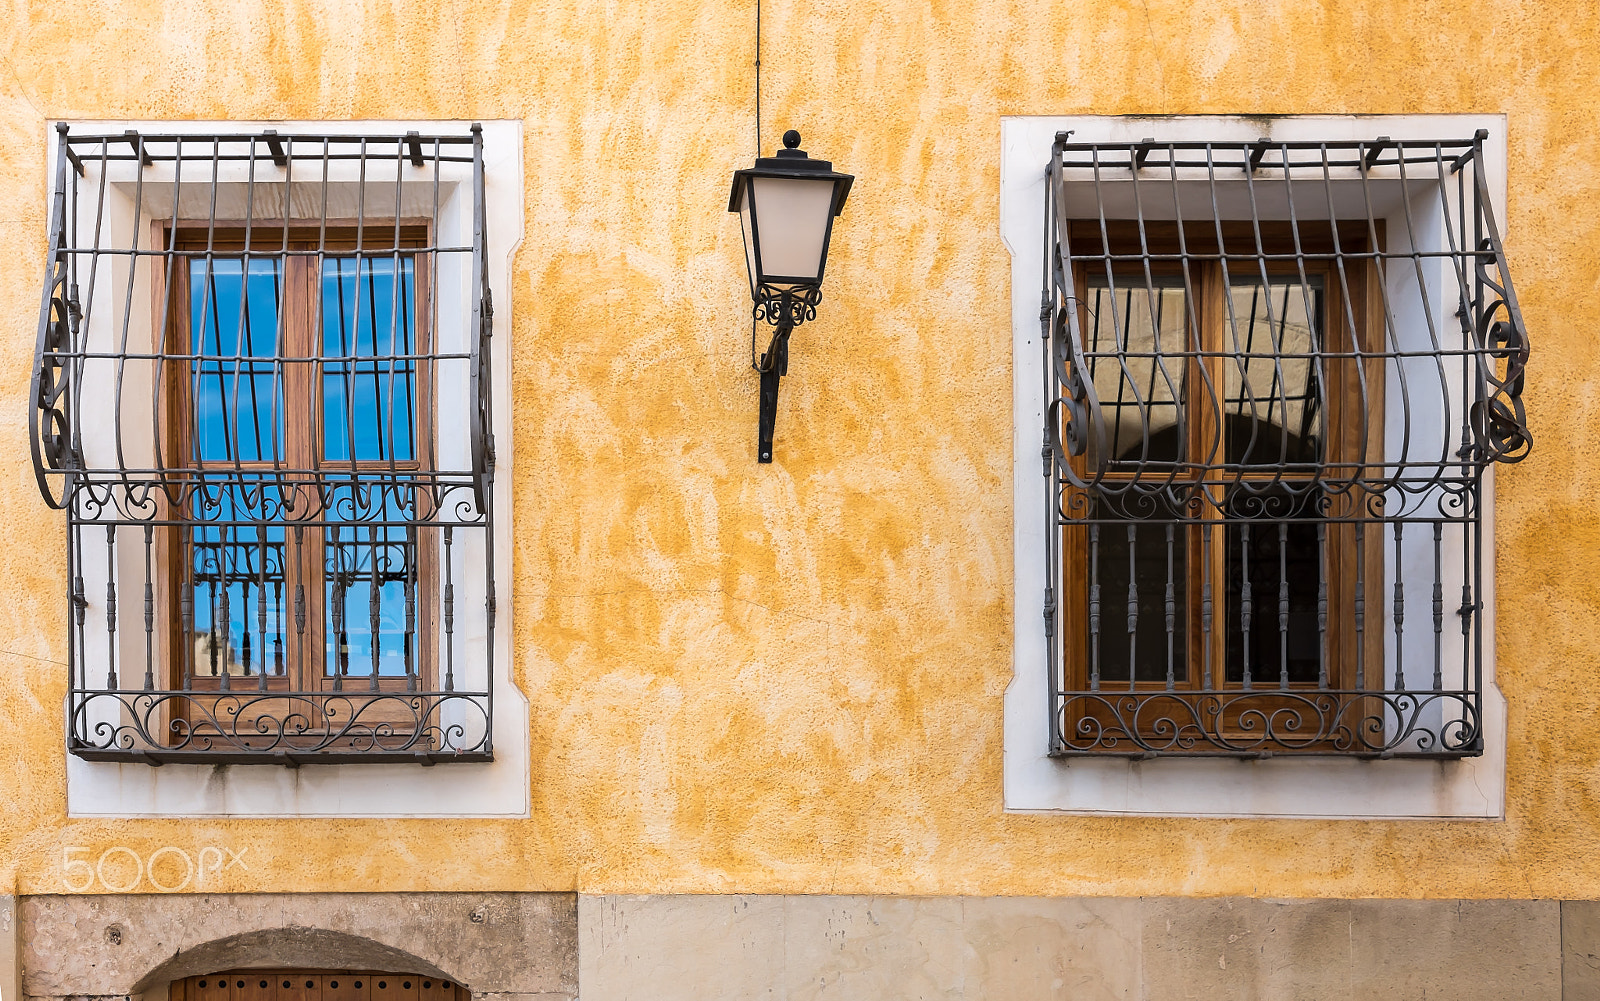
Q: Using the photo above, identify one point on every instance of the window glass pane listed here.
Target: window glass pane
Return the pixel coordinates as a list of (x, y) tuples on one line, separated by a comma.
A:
[(1283, 565), (1273, 399), (1135, 337), (235, 383), (369, 382), (237, 584), (370, 567)]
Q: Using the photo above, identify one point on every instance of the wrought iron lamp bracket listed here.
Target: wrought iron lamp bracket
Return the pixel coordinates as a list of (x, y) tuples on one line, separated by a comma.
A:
[(784, 309)]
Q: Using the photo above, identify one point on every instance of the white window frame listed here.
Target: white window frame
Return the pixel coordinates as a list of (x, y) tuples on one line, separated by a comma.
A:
[(500, 788), (1284, 786)]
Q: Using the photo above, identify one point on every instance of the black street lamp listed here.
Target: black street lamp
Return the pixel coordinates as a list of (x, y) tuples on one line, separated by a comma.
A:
[(786, 204)]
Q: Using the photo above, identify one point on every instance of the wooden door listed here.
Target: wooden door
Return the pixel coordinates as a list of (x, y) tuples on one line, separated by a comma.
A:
[(316, 985)]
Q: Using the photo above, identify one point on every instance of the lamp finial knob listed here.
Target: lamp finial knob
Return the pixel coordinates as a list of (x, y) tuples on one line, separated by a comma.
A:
[(791, 139)]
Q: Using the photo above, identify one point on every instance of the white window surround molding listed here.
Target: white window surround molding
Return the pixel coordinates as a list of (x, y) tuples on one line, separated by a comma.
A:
[(1282, 786), (492, 789)]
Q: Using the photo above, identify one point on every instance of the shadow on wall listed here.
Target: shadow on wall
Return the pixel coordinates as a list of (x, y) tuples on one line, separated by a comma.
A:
[(309, 948)]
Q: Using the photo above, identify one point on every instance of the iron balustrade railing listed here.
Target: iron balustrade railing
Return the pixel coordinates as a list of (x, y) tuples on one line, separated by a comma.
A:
[(1277, 376), (262, 396)]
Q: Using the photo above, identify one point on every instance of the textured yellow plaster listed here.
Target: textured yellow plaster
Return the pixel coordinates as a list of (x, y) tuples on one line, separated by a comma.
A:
[(789, 677)]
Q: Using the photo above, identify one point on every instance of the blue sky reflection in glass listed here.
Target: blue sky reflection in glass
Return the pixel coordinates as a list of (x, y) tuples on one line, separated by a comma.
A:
[(369, 381), (237, 381), (370, 560)]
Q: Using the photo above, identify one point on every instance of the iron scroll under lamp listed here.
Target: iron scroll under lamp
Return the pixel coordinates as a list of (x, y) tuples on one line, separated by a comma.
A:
[(786, 205)]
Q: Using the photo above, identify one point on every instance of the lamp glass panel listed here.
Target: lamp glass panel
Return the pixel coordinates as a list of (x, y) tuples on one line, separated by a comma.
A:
[(745, 223), (792, 221)]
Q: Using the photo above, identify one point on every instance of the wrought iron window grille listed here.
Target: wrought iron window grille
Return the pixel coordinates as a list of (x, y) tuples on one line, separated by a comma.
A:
[(262, 396), (1277, 374)]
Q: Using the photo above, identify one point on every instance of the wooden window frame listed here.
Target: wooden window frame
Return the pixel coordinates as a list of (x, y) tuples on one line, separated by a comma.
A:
[(1342, 445), (305, 669)]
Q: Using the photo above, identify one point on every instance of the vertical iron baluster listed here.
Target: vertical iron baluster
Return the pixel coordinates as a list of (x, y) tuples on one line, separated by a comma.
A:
[(1055, 677), (78, 607), (1361, 606), (409, 570), (277, 625), (261, 602), (1094, 608), (449, 615), (1322, 605), (246, 647), (1206, 609), (1171, 609), (1399, 613), (1245, 608), (1133, 608), (374, 606), (149, 613), (226, 622), (300, 606), (186, 621), (1479, 217), (213, 638), (1438, 607), (1283, 606), (111, 607), (428, 335)]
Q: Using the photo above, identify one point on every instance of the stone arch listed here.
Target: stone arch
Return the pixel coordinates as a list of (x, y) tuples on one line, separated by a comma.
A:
[(293, 946)]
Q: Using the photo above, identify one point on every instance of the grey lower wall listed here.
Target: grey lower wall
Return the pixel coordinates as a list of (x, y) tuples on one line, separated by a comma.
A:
[(550, 946), (1580, 950), (797, 948)]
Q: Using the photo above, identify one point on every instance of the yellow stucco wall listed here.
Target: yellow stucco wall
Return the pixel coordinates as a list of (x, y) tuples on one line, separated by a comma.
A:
[(789, 678)]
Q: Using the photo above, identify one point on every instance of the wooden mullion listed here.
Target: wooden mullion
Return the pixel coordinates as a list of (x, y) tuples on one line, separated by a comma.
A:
[(423, 448), (173, 394), (297, 394), (1074, 572)]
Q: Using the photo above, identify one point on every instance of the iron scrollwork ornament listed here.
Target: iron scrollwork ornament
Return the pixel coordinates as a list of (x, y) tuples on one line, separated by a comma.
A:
[(786, 307), (50, 429), (1499, 420)]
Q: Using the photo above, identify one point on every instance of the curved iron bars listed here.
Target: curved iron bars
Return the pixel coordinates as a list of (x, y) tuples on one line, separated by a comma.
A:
[(1266, 444), (162, 727), (263, 395), (1343, 722)]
